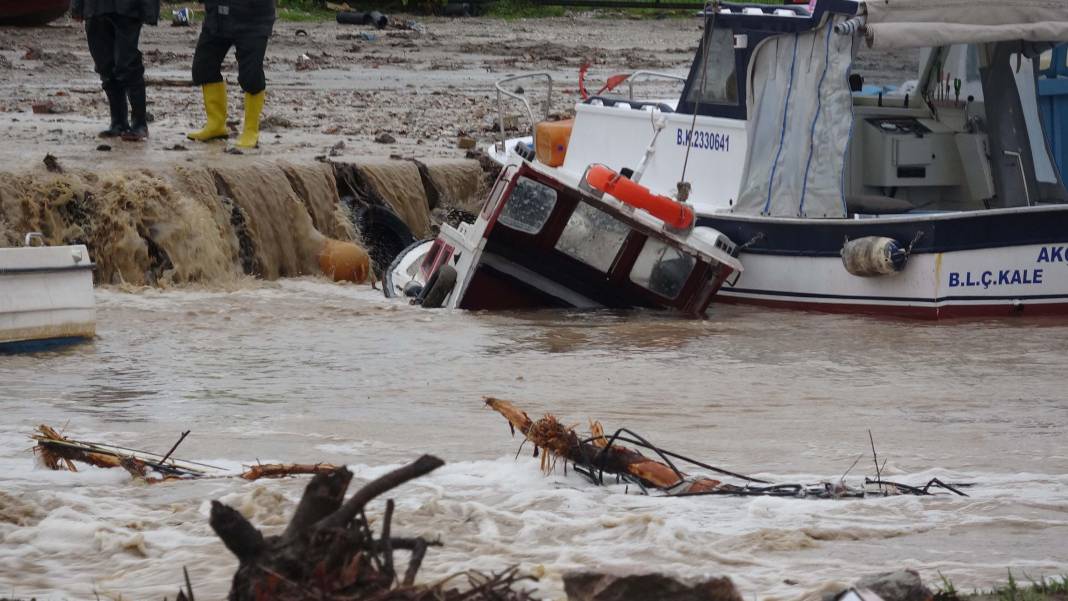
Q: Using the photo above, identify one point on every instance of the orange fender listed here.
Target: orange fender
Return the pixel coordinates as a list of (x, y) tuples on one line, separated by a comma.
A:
[(344, 261), (669, 210)]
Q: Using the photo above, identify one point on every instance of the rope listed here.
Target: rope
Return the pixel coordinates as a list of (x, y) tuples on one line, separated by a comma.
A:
[(683, 185)]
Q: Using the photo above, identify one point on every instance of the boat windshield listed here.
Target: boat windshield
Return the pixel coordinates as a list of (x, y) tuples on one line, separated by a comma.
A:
[(717, 81)]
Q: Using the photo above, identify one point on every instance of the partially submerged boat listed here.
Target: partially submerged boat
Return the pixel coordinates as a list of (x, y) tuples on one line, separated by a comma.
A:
[(545, 240), (46, 294), (32, 12), (942, 202)]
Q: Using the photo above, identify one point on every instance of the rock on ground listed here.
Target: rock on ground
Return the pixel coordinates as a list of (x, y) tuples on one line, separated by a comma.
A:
[(900, 585), (593, 586)]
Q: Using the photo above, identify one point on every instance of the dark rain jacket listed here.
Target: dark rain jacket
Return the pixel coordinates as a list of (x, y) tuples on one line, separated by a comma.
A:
[(239, 17), (145, 10)]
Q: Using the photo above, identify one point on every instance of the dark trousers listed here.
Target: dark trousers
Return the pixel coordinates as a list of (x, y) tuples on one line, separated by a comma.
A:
[(113, 41), (250, 49)]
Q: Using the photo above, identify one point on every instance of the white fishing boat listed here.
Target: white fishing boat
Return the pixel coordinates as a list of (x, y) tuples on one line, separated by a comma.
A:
[(46, 293), (942, 202)]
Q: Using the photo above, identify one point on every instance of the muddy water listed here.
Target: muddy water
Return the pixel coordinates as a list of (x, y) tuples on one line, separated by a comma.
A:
[(302, 370)]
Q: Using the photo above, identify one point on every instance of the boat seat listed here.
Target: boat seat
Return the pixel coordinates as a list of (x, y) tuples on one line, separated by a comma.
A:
[(634, 104), (875, 204)]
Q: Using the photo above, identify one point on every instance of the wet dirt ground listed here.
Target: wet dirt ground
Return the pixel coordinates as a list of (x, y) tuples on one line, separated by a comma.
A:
[(332, 91)]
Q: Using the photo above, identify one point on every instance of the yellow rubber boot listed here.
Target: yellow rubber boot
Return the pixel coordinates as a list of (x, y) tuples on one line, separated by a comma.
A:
[(215, 106), (250, 137)]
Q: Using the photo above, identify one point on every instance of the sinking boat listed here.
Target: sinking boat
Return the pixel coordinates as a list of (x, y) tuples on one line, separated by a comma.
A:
[(942, 202), (46, 294), (543, 239), (32, 12)]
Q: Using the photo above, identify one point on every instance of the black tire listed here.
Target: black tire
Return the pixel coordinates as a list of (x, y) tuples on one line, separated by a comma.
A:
[(384, 235), (439, 287)]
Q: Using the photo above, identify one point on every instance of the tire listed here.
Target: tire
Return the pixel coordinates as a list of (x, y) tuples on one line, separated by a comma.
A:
[(384, 235), (439, 287)]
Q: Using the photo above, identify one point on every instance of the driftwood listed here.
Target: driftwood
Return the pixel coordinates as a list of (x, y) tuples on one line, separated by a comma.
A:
[(597, 454), (58, 452), (328, 551)]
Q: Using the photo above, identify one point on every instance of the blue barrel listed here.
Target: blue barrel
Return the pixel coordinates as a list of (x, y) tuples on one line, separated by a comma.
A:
[(1053, 104)]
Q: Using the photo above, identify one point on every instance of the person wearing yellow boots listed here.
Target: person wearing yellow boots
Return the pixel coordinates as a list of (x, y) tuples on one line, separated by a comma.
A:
[(246, 26)]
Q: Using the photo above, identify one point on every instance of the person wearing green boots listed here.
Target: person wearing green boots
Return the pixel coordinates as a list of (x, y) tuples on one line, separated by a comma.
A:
[(246, 26)]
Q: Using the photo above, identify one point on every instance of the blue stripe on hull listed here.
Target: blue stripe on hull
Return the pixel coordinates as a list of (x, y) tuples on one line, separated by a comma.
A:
[(897, 299), (931, 233)]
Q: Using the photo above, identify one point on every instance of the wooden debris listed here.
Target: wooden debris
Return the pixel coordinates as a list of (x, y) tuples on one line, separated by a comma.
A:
[(58, 452), (282, 470), (598, 454), (595, 454), (328, 551)]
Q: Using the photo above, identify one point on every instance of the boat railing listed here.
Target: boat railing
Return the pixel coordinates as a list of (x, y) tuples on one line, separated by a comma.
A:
[(649, 75), (31, 237), (501, 93)]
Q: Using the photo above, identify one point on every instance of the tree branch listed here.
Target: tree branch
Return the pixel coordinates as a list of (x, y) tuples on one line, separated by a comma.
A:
[(420, 467), (241, 537)]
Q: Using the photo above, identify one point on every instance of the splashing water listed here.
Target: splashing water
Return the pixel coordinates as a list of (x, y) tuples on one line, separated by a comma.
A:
[(302, 370)]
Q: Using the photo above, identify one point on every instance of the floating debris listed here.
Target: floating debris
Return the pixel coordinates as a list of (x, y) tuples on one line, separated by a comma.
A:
[(51, 163), (329, 552), (58, 452), (594, 454)]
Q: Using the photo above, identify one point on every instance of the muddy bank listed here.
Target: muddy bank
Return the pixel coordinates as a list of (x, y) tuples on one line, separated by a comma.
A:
[(217, 223), (333, 92)]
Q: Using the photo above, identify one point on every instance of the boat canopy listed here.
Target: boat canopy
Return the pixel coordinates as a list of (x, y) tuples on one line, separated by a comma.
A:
[(926, 23), (796, 108)]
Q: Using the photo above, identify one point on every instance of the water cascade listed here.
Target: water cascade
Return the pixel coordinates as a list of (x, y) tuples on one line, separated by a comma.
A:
[(214, 225)]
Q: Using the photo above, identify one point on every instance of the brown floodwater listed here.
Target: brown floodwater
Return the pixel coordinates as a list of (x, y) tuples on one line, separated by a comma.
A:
[(303, 370)]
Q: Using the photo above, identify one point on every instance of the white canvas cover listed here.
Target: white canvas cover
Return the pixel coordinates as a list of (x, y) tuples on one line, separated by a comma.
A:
[(800, 115), (921, 23)]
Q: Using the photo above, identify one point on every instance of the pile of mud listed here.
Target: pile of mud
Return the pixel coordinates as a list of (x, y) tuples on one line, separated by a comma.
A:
[(214, 224)]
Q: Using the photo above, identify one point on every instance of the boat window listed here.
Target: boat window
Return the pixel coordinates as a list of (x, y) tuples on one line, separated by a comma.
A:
[(662, 269), (593, 237), (529, 206), (720, 81)]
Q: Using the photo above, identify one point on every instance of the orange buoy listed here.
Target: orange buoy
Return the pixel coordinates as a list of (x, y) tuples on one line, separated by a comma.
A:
[(669, 210), (344, 261)]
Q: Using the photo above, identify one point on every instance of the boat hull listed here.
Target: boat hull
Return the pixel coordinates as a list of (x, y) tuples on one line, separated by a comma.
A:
[(33, 12), (46, 293), (989, 263)]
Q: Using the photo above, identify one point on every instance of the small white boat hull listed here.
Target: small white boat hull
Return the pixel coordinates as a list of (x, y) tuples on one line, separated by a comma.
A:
[(46, 293)]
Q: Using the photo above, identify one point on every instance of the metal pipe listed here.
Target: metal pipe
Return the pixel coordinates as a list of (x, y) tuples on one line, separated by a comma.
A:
[(530, 111), (649, 74)]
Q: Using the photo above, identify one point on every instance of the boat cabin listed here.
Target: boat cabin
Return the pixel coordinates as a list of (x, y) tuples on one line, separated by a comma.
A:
[(541, 243), (772, 121)]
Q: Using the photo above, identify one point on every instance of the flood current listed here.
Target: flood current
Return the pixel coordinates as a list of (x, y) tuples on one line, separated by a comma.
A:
[(302, 370)]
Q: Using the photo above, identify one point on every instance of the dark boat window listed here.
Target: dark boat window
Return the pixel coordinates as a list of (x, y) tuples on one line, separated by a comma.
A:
[(662, 269), (593, 237), (720, 78), (529, 206)]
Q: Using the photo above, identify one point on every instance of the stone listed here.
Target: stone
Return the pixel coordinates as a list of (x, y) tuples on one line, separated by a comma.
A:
[(594, 586), (900, 585)]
